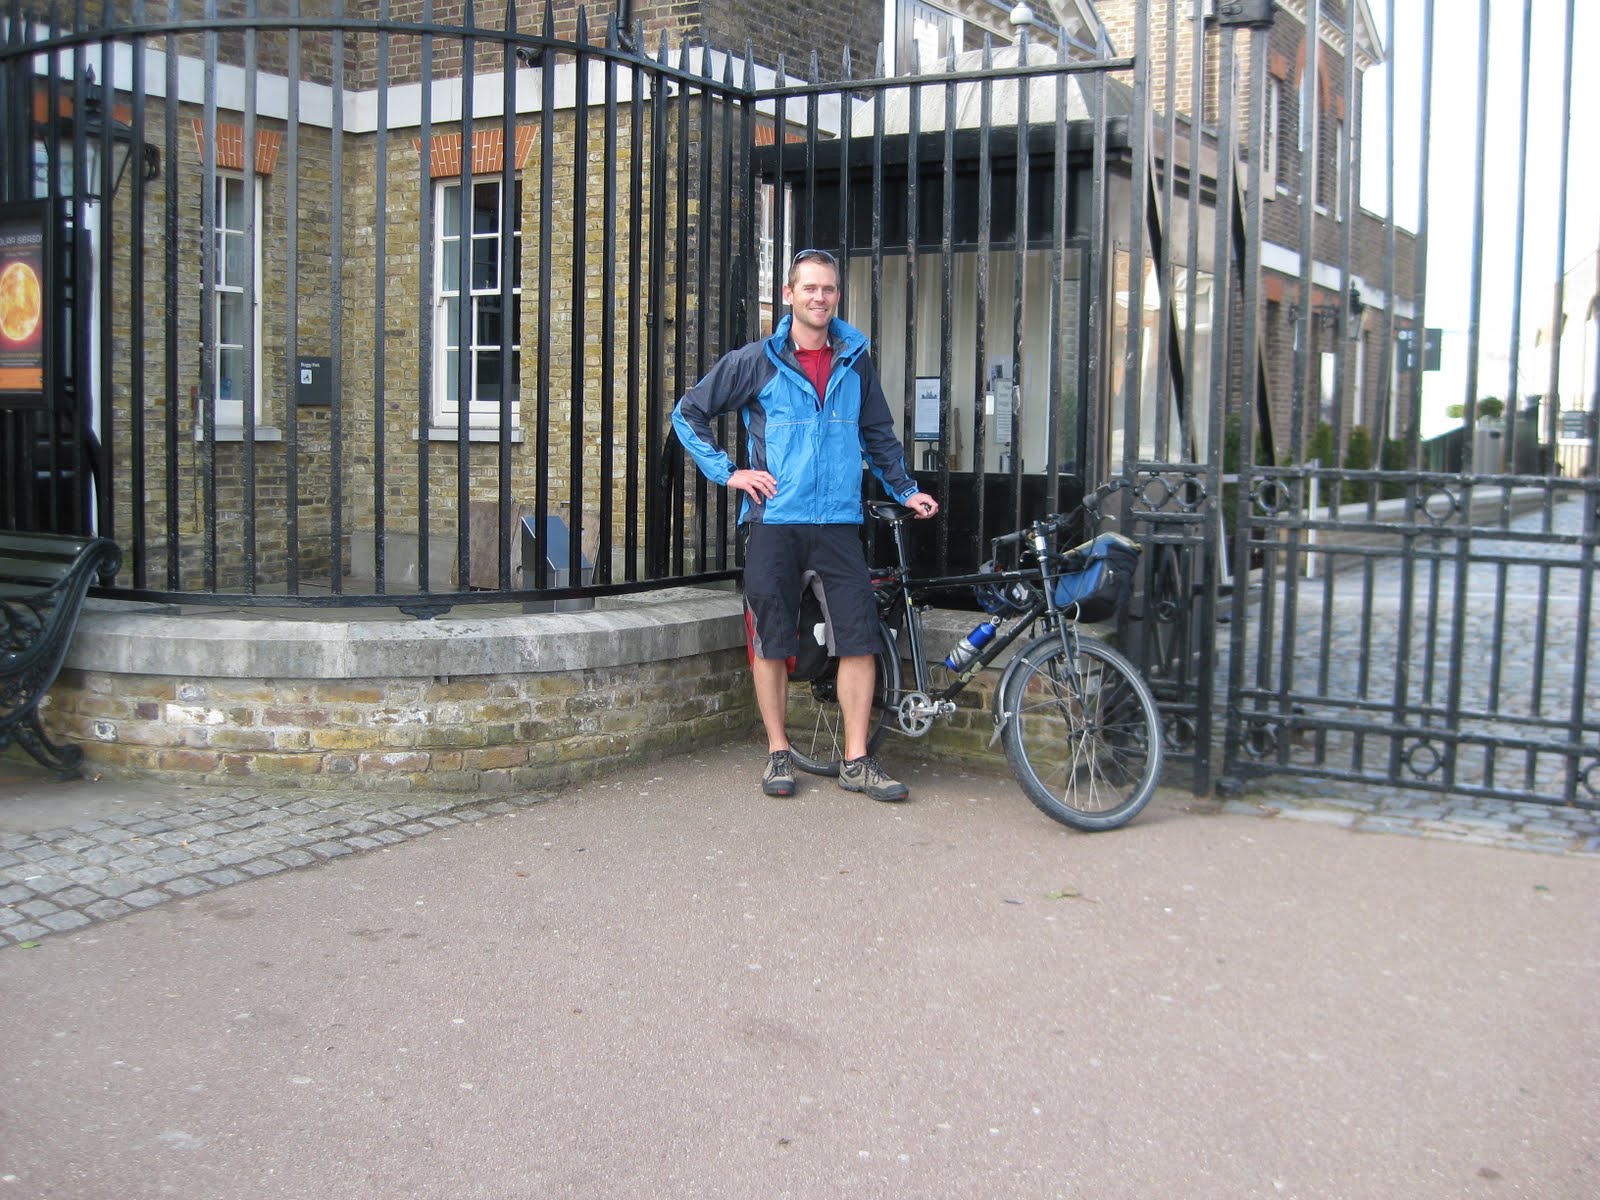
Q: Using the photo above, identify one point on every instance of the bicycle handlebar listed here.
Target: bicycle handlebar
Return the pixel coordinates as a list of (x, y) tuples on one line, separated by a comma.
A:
[(1055, 522)]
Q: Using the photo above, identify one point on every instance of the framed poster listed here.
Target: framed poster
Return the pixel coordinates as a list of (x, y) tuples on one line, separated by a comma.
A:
[(927, 410), (26, 281)]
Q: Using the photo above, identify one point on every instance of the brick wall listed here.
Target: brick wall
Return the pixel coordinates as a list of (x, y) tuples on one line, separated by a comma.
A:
[(795, 31), (488, 733), (579, 355), (191, 460)]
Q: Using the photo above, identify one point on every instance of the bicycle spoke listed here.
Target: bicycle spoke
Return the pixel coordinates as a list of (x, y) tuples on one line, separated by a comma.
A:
[(1066, 722), (1079, 737), (816, 729), (815, 723)]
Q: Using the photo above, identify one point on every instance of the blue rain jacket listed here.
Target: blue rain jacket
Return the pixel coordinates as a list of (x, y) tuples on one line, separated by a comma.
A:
[(812, 446)]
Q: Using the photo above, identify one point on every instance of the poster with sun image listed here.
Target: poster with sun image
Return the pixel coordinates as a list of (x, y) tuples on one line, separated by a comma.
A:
[(24, 278)]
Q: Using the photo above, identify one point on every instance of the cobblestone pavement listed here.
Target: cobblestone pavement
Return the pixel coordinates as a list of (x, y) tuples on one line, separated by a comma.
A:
[(116, 850), (120, 858), (1542, 828)]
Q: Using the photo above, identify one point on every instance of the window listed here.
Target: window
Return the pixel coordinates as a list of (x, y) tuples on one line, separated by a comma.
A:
[(1330, 163), (236, 313), (768, 252), (1358, 401), (471, 329), (1271, 137), (924, 34), (1328, 361), (1340, 175)]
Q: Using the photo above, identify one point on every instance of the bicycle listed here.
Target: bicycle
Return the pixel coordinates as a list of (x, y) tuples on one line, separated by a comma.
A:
[(1080, 726)]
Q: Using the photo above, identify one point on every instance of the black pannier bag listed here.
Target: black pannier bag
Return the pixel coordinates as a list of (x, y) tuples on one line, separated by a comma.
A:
[(1101, 586), (815, 635)]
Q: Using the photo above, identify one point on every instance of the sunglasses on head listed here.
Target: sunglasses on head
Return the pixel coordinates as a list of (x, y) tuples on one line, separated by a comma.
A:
[(813, 255)]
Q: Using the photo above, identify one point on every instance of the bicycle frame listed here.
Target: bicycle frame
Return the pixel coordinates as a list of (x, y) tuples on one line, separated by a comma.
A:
[(898, 592), (1081, 728)]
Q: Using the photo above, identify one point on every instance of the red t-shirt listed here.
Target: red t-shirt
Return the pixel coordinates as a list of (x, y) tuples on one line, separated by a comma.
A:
[(818, 365)]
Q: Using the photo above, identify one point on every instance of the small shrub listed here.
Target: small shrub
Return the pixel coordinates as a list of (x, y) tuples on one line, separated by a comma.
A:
[(1357, 457), (1320, 446), (1392, 457)]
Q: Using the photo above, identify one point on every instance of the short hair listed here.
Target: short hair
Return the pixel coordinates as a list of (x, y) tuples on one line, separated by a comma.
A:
[(811, 255)]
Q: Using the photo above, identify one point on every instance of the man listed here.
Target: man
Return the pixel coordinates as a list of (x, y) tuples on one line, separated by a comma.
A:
[(812, 405)]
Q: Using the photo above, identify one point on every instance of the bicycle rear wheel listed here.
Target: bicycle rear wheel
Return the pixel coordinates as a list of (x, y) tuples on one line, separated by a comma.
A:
[(1083, 737), (815, 723)]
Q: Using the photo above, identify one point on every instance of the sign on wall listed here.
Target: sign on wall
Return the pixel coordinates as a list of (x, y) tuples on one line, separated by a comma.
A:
[(313, 381), (1574, 425), (25, 279), (1432, 347)]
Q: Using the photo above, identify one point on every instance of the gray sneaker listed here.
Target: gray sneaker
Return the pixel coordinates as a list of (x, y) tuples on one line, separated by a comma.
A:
[(867, 775), (779, 779)]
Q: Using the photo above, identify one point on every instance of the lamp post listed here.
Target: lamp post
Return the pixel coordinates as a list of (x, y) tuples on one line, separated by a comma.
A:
[(80, 152), (106, 144)]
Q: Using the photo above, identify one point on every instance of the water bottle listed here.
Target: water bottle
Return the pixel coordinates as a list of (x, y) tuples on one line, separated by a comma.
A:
[(967, 648)]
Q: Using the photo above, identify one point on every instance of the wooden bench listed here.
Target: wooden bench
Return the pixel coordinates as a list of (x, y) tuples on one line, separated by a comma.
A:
[(43, 580)]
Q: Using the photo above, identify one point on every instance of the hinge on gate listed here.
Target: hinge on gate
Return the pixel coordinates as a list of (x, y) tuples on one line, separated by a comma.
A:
[(1257, 14)]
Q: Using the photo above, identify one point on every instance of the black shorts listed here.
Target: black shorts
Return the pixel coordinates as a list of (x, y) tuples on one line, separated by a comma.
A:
[(777, 560)]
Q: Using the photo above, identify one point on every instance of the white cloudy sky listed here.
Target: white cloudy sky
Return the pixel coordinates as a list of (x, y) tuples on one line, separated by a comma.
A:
[(1452, 193)]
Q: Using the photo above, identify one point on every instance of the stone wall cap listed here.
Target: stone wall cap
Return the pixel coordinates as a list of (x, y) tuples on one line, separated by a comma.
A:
[(647, 627)]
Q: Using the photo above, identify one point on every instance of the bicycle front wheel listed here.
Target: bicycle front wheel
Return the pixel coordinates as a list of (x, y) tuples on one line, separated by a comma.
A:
[(815, 722), (1082, 735)]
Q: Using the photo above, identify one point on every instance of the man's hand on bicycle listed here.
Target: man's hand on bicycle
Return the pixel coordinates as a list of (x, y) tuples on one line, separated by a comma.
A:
[(922, 504)]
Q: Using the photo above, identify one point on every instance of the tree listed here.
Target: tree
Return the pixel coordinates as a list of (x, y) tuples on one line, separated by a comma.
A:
[(1489, 408)]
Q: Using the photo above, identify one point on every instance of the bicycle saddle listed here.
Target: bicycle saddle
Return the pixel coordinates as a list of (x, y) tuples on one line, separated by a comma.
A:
[(888, 510)]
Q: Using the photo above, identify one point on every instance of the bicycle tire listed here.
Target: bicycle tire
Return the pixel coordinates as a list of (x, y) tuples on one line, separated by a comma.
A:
[(815, 723), (1087, 756)]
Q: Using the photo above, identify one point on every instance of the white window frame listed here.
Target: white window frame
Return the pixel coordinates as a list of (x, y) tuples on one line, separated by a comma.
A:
[(229, 402), (482, 415)]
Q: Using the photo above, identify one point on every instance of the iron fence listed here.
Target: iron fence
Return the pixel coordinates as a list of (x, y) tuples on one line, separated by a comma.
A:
[(392, 312)]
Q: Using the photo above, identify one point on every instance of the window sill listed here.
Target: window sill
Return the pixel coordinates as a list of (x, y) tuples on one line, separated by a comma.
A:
[(236, 433), (448, 433)]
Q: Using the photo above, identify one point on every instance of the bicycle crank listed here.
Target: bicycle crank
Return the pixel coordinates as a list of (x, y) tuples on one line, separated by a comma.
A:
[(917, 711)]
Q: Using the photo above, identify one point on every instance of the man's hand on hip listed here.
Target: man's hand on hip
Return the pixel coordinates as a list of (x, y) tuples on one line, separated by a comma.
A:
[(922, 504), (759, 484)]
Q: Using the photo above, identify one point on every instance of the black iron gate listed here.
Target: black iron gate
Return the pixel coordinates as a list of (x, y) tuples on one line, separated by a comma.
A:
[(1401, 610), (1433, 631), (1331, 591)]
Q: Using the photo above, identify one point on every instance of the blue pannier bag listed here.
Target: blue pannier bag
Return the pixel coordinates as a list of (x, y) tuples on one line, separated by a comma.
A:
[(1102, 579)]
